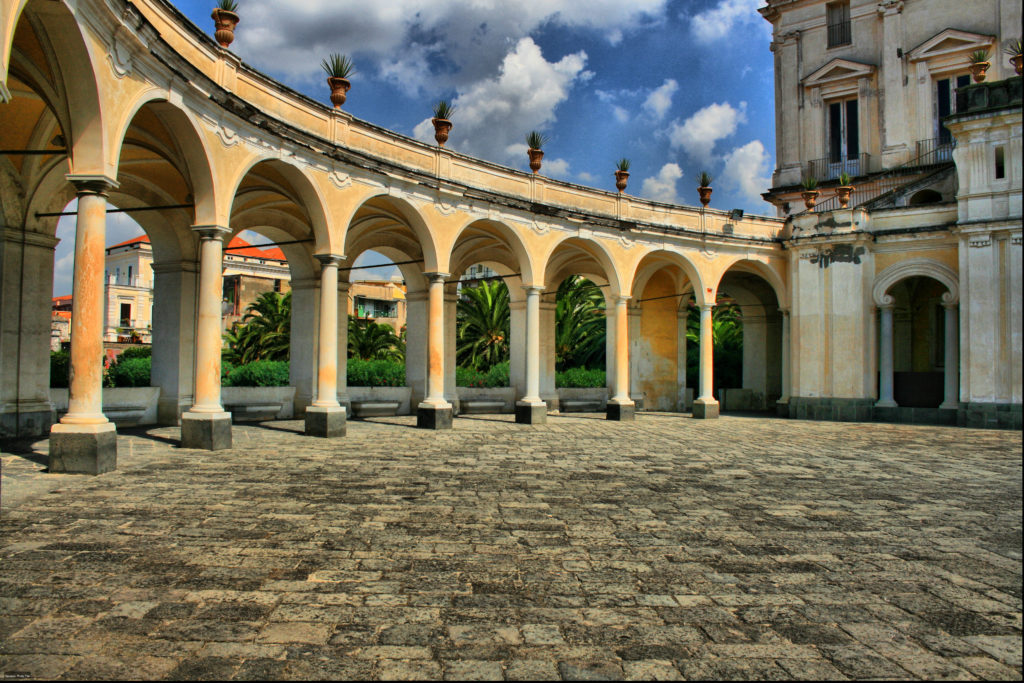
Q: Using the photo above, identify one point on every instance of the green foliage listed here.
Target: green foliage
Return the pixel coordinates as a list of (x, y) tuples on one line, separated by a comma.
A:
[(136, 352), (375, 373), (704, 179), (581, 378), (225, 369), (129, 372), (60, 368), (369, 340), (844, 179), (1013, 47), (810, 183), (727, 336), (536, 140), (227, 5), (580, 328), (482, 326), (261, 373), (496, 376), (979, 56), (338, 66), (623, 165), (264, 333), (443, 110)]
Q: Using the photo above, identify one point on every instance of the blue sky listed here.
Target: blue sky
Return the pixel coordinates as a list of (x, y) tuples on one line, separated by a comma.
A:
[(676, 86)]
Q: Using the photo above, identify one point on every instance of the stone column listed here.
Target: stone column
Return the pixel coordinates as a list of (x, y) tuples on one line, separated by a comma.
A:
[(682, 314), (326, 417), (635, 327), (782, 405), (951, 400), (706, 407), (451, 306), (85, 441), (174, 315), (303, 341), (342, 394), (530, 409), (206, 425), (895, 146), (548, 391), (885, 365), (435, 412), (620, 407)]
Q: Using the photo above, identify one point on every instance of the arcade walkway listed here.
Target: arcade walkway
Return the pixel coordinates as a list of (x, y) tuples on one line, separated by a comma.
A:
[(664, 548)]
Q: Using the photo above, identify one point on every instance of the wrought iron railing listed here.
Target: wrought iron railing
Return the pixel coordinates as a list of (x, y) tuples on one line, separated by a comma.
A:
[(839, 34), (827, 169), (934, 151)]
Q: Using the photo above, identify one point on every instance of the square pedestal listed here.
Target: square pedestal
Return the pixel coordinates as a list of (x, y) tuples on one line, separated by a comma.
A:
[(328, 422), (704, 409), (531, 413), (622, 412), (83, 449), (206, 431), (433, 417)]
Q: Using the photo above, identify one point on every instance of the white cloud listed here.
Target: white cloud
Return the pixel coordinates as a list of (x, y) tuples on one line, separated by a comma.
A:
[(585, 177), (494, 114), (662, 187), (556, 168), (725, 19), (699, 133), (659, 101), (620, 114), (748, 169)]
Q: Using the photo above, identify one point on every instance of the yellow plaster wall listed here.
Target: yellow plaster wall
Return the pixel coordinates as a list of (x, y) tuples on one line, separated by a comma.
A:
[(658, 342)]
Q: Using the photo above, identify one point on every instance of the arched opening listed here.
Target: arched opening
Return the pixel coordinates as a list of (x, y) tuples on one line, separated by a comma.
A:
[(577, 337), (747, 332), (924, 197), (918, 342), (383, 359)]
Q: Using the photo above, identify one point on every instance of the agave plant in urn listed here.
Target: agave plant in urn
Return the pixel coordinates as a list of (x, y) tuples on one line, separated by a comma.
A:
[(704, 188), (225, 19), (621, 174), (338, 69), (810, 193), (442, 121), (535, 141), (979, 65), (1013, 49), (844, 190)]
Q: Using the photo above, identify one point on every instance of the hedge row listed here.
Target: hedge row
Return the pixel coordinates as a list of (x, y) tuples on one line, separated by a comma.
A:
[(580, 378), (497, 376)]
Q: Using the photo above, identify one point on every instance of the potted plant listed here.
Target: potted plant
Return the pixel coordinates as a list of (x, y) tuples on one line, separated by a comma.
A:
[(225, 19), (443, 111), (338, 68), (535, 141), (844, 190), (1013, 49), (810, 193), (979, 65), (704, 187), (621, 174)]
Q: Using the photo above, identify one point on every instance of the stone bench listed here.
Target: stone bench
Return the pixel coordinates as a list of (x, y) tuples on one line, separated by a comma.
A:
[(253, 412), (469, 407), (579, 406), (375, 408)]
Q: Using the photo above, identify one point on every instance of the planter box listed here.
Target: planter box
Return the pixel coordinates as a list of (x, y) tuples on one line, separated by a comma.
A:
[(592, 400), (124, 406), (486, 400), (379, 401), (251, 404)]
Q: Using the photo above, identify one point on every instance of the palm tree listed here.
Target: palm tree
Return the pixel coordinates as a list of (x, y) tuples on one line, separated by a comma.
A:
[(483, 324), (264, 333), (368, 340), (580, 328), (727, 338)]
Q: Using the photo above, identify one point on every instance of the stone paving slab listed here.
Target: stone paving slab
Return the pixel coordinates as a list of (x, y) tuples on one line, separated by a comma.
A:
[(582, 549)]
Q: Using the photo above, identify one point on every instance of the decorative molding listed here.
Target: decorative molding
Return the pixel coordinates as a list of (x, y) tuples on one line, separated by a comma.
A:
[(1015, 239), (227, 136), (978, 241), (911, 268), (339, 179)]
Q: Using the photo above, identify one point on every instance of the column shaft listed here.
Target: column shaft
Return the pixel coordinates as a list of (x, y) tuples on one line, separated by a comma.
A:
[(705, 406), (785, 358), (885, 361), (620, 407), (327, 355), (208, 329), (532, 345), (951, 399), (435, 341)]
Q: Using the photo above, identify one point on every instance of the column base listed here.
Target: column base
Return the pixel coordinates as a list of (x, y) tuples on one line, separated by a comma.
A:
[(886, 404), (705, 409), (620, 412), (83, 449), (206, 431), (782, 408), (326, 421), (429, 416), (531, 413)]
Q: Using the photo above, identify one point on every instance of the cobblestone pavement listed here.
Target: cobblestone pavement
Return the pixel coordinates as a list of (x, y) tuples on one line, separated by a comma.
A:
[(667, 548)]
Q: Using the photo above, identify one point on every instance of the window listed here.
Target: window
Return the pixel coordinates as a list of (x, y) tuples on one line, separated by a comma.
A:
[(129, 275), (126, 315), (838, 19), (945, 104), (843, 138), (277, 286), (1000, 163)]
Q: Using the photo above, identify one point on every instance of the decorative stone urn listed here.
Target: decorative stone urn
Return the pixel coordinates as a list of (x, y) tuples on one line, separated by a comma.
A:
[(843, 195), (978, 70), (1017, 60), (339, 90), (621, 178), (705, 194), (810, 198), (535, 158), (441, 129), (224, 22)]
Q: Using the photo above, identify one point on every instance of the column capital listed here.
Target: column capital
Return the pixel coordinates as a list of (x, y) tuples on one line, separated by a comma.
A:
[(533, 289), (784, 312), (706, 306), (329, 259), (211, 232), (437, 276), (951, 305), (887, 303), (92, 184), (622, 298)]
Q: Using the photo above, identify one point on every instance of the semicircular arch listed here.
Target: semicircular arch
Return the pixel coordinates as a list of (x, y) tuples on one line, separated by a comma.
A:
[(917, 267)]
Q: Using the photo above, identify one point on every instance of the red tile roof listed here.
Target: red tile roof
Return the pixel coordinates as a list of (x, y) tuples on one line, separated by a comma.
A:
[(244, 248)]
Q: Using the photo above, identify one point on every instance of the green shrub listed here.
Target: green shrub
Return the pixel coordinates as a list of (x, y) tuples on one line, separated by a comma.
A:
[(580, 378), (261, 373), (60, 366), (130, 372), (225, 371), (375, 373), (136, 352), (497, 376)]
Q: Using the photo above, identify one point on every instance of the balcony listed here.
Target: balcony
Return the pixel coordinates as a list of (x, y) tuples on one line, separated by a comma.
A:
[(827, 169), (934, 151)]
